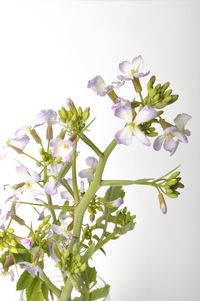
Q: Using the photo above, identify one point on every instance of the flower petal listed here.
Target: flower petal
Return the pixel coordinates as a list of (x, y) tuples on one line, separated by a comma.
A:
[(181, 120), (146, 114), (170, 145), (23, 172), (141, 136), (124, 136), (137, 63), (51, 187), (125, 67), (141, 74), (124, 112), (91, 162), (98, 85), (158, 142)]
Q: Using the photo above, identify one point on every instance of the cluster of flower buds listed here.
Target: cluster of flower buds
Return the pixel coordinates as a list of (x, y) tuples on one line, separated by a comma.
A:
[(159, 96), (95, 207), (73, 119), (39, 236), (172, 184), (124, 220), (71, 262), (8, 240)]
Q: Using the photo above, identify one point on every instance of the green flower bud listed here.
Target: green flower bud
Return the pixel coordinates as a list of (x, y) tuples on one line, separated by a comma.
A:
[(171, 182), (165, 86), (174, 175), (168, 93)]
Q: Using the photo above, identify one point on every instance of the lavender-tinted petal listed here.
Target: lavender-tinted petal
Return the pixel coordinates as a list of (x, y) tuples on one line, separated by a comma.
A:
[(146, 114), (21, 141), (158, 142), (116, 85), (124, 136), (181, 120), (91, 162), (65, 195), (124, 78), (141, 74), (125, 67), (141, 136), (181, 137), (137, 63), (27, 243), (170, 145), (21, 131), (3, 153), (118, 202), (98, 85), (57, 229), (124, 112), (22, 172), (86, 173), (35, 177), (51, 187)]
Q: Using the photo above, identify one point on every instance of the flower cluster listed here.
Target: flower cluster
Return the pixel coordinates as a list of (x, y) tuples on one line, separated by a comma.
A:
[(71, 219)]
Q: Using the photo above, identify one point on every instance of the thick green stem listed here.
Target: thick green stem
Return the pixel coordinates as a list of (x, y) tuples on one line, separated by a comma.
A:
[(81, 208), (91, 144)]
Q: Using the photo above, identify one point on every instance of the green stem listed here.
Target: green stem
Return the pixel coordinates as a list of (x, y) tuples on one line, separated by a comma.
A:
[(69, 208), (67, 186), (50, 285), (49, 197), (126, 182), (74, 176), (64, 170), (81, 208), (90, 144)]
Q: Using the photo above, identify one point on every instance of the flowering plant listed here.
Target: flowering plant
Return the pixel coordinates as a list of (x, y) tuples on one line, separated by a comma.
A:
[(73, 220)]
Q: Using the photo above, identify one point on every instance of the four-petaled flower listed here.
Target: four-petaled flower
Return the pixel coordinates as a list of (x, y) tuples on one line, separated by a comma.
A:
[(51, 187), (48, 116), (98, 85), (19, 143), (30, 181), (132, 69), (27, 243), (124, 111), (62, 148), (173, 135), (89, 172)]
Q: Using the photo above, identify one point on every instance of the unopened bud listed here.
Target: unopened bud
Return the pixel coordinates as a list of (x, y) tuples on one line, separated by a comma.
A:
[(163, 205), (35, 136)]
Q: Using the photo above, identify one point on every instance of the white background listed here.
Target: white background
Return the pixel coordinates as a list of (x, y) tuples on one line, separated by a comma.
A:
[(48, 52)]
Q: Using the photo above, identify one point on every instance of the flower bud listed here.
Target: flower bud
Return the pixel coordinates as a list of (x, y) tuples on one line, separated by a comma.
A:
[(163, 205)]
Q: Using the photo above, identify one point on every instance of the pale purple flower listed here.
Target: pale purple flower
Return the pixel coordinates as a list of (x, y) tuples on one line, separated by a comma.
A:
[(4, 216), (48, 116), (5, 273), (32, 268), (98, 85), (89, 172), (168, 141), (27, 243), (132, 69), (115, 204), (181, 133), (62, 231), (19, 142), (62, 148), (51, 187), (173, 135), (30, 181), (124, 111)]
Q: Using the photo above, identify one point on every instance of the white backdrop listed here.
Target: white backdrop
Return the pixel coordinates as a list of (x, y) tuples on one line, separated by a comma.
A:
[(48, 51)]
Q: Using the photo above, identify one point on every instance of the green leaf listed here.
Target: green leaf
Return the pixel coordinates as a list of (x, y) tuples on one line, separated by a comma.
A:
[(24, 281), (89, 275), (113, 193), (100, 292), (33, 291)]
